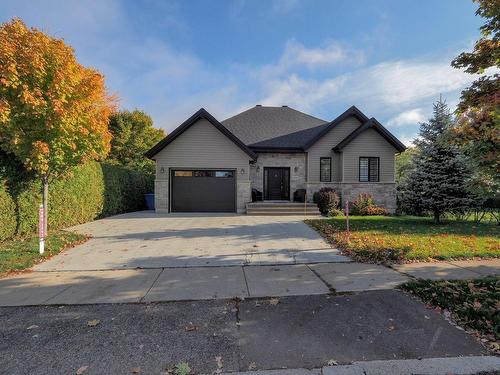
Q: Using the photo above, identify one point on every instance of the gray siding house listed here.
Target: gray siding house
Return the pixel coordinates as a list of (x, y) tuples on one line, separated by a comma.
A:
[(272, 154)]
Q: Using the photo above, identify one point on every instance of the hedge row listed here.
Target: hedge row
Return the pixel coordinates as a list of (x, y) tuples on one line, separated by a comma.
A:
[(92, 191)]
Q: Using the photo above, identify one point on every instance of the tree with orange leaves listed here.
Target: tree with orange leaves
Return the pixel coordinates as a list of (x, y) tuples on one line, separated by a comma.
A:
[(54, 112)]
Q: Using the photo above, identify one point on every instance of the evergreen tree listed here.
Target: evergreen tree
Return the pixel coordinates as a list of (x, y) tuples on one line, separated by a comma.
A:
[(439, 176)]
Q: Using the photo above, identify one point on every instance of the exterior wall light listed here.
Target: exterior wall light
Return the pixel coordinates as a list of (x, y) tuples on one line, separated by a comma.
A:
[(242, 171), (162, 170)]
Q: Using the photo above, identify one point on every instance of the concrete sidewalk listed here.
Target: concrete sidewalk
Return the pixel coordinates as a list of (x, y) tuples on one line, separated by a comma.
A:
[(194, 283), (428, 366), (450, 270)]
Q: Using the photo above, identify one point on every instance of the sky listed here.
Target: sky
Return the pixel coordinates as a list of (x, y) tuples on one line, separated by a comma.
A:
[(390, 58)]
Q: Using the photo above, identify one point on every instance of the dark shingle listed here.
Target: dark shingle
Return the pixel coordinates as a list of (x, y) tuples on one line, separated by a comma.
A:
[(292, 140), (259, 123)]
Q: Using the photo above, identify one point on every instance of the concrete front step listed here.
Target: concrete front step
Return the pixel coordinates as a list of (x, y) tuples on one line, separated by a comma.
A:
[(290, 213), (282, 208), (281, 204)]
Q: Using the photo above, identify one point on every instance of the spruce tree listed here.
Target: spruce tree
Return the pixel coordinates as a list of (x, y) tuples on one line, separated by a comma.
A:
[(439, 177)]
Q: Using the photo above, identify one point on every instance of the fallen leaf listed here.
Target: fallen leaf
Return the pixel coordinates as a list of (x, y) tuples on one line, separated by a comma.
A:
[(136, 370), (93, 322), (32, 327), (252, 366), (274, 301), (332, 362), (81, 370), (191, 327), (218, 359)]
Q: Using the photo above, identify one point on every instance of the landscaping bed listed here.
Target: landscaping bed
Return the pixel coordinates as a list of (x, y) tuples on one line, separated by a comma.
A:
[(474, 305), (397, 239), (22, 253)]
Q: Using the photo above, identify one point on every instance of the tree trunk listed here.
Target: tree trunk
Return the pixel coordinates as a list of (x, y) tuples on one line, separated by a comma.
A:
[(45, 200), (437, 217)]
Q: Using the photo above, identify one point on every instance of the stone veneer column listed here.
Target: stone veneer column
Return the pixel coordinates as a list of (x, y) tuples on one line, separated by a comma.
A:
[(161, 195)]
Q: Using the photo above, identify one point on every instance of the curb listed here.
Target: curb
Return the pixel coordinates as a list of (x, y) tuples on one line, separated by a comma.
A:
[(428, 366)]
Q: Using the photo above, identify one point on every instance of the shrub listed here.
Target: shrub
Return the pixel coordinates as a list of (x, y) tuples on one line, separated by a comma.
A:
[(327, 199), (335, 212), (365, 206), (89, 192)]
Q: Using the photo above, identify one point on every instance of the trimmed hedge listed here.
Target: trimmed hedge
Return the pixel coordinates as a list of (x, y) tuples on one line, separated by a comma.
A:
[(92, 191)]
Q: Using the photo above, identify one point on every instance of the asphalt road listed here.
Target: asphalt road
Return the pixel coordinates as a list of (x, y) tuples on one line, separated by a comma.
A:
[(300, 331)]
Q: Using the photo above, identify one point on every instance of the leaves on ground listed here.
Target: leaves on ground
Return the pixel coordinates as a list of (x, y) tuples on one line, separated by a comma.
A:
[(473, 304), (396, 239), (82, 370), (332, 362), (252, 366), (274, 301), (34, 326), (136, 370), (190, 327), (93, 322)]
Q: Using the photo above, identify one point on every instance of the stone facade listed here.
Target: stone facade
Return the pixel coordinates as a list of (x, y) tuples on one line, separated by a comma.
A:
[(383, 193), (243, 195), (161, 195), (313, 187), (296, 163)]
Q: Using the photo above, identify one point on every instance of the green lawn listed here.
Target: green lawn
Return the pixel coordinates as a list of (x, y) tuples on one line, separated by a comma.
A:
[(21, 253), (473, 304), (392, 239)]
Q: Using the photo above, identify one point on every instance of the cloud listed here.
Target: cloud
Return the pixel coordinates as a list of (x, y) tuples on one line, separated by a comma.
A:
[(409, 117), (384, 86), (284, 6), (170, 82)]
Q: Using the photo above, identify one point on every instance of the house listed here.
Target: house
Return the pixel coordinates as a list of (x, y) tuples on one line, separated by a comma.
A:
[(275, 153)]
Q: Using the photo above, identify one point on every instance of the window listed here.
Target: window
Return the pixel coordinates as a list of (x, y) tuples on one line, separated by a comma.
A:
[(325, 174), (368, 169), (204, 173)]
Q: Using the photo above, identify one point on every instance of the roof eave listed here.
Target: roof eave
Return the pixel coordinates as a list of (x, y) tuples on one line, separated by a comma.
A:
[(278, 149)]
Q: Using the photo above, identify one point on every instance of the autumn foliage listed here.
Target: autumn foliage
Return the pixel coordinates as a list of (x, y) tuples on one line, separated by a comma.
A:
[(54, 112)]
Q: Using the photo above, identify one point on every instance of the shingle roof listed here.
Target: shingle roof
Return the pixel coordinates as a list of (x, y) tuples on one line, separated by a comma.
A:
[(260, 123), (295, 140)]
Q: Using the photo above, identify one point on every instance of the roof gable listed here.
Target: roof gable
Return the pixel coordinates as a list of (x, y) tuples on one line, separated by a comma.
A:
[(371, 124), (200, 114), (352, 111)]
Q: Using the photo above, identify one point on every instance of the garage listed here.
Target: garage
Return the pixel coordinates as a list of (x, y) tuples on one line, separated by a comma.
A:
[(203, 190)]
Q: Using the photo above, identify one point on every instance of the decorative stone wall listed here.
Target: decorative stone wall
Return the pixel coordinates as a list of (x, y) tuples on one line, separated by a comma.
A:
[(313, 187), (296, 163), (383, 193)]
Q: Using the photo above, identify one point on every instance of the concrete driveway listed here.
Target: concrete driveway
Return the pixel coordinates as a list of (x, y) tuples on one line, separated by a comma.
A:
[(149, 240)]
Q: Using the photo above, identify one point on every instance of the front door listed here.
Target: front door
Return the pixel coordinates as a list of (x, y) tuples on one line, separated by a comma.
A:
[(276, 183)]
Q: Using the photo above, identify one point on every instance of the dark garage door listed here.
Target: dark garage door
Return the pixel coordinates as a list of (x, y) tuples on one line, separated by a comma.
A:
[(203, 191)]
